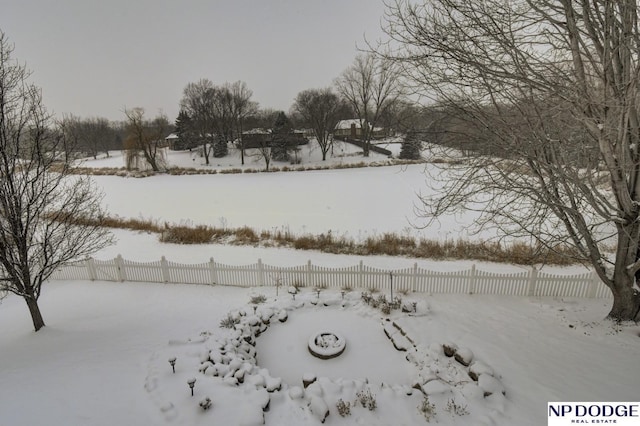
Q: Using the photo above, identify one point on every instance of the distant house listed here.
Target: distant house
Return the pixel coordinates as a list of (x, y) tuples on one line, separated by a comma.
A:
[(352, 128), (256, 138), (171, 140), (348, 128)]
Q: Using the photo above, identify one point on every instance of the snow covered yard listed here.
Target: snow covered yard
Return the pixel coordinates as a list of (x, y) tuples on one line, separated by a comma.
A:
[(103, 357)]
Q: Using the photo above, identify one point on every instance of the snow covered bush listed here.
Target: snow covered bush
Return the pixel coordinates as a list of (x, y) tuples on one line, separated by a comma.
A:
[(258, 299), (455, 409), (367, 400), (427, 409), (344, 408), (205, 404), (229, 321)]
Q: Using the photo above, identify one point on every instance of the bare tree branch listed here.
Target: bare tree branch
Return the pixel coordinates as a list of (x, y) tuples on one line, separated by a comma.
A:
[(550, 89)]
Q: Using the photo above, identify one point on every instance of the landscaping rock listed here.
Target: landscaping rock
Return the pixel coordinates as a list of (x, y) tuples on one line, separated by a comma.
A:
[(319, 408), (307, 379), (450, 349), (464, 356), (490, 385)]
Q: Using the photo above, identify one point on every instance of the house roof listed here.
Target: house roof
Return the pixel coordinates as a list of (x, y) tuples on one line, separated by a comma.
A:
[(346, 124), (257, 131)]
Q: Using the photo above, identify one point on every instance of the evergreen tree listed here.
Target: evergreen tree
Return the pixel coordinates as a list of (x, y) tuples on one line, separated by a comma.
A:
[(187, 138), (281, 130), (220, 148), (411, 147)]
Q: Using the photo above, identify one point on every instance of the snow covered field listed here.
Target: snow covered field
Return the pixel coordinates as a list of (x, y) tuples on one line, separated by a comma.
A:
[(103, 357), (355, 203)]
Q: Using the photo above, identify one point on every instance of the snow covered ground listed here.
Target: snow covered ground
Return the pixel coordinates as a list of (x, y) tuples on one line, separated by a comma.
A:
[(103, 357)]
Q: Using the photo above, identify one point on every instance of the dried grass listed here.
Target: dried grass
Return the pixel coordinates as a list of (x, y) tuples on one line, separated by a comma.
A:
[(386, 244)]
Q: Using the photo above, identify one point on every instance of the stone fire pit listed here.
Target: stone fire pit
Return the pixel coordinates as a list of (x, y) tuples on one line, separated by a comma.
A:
[(326, 344)]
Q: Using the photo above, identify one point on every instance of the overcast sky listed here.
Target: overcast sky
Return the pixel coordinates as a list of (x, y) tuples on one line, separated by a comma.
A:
[(94, 58)]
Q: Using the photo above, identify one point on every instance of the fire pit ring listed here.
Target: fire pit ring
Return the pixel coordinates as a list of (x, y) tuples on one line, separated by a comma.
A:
[(327, 344)]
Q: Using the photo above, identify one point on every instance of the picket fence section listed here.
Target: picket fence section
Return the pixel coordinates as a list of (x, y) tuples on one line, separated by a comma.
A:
[(472, 281)]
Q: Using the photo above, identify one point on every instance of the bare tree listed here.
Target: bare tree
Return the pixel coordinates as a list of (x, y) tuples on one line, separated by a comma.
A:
[(47, 218), (553, 85), (145, 138), (371, 85), (241, 108), (198, 102), (91, 135), (218, 113), (263, 151), (321, 109)]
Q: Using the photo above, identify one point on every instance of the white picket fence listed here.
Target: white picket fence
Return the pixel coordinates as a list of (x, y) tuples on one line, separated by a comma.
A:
[(526, 283)]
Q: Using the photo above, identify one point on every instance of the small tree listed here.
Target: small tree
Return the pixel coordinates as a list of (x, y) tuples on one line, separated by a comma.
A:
[(185, 130), (411, 148), (263, 151), (280, 137), (145, 138), (47, 217), (321, 109)]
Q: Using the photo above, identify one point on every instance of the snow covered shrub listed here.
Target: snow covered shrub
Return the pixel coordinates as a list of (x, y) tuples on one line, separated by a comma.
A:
[(379, 301), (257, 299), (179, 234), (232, 171), (205, 404), (410, 307), (246, 235), (455, 409), (366, 297), (367, 400), (396, 303), (229, 322), (385, 308), (344, 408), (427, 409)]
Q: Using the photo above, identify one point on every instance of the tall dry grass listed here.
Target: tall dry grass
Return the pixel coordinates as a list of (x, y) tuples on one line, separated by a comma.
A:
[(389, 244)]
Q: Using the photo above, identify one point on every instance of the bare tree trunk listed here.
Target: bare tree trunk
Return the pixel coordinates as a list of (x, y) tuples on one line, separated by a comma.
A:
[(34, 310), (626, 299)]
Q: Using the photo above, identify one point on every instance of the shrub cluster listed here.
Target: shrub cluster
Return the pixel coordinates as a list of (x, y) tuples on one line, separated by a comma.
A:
[(187, 235), (121, 171)]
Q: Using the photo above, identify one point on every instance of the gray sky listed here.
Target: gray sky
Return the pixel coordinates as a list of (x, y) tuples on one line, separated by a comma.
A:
[(94, 58)]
